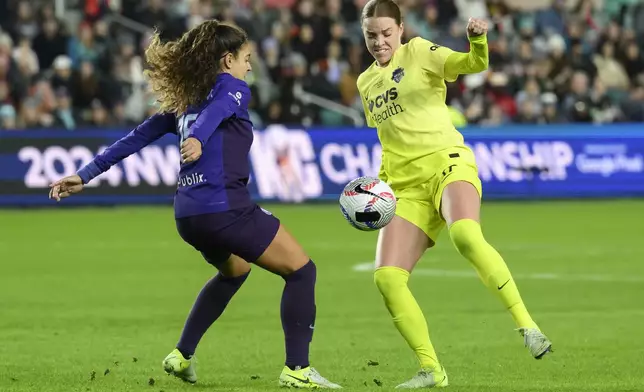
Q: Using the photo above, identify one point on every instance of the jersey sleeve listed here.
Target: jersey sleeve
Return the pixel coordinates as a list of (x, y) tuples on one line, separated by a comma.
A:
[(150, 130), (430, 56), (361, 92), (370, 122), (446, 63), (226, 101), (475, 61)]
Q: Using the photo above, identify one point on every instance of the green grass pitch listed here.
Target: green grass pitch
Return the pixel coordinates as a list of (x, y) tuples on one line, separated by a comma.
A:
[(94, 299)]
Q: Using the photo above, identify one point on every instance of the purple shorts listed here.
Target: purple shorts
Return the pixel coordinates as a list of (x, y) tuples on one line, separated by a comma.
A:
[(245, 232)]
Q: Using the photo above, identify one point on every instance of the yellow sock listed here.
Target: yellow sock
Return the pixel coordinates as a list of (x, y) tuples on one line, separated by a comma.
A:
[(468, 239), (407, 316)]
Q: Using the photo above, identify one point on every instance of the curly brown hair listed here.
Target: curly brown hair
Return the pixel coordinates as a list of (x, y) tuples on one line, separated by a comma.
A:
[(182, 72)]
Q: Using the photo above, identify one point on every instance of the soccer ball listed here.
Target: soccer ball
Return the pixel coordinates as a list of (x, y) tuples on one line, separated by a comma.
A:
[(368, 203)]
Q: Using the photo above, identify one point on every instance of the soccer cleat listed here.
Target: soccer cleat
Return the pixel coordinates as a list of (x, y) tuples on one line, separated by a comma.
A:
[(304, 378), (180, 367), (538, 343), (435, 378)]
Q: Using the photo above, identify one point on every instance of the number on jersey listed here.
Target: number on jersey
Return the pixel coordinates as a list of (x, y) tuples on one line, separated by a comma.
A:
[(183, 126)]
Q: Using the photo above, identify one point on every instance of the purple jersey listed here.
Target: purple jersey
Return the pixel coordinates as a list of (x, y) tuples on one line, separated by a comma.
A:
[(217, 181)]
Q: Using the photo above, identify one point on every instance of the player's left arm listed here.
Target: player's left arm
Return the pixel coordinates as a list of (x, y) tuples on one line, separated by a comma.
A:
[(477, 59), (227, 101), (445, 63)]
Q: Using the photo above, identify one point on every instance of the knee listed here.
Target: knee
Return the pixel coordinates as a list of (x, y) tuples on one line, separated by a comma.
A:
[(238, 270), (465, 235), (462, 242), (390, 279), (234, 267), (306, 272)]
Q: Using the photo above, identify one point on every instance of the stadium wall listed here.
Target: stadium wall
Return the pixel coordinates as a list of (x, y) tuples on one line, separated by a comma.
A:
[(295, 165)]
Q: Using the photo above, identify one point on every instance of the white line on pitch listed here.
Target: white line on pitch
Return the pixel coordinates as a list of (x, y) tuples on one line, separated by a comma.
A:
[(369, 266)]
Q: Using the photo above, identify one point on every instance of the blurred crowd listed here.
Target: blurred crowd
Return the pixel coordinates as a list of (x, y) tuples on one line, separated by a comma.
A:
[(551, 61)]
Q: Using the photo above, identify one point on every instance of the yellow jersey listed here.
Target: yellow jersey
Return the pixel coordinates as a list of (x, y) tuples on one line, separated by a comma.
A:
[(405, 101)]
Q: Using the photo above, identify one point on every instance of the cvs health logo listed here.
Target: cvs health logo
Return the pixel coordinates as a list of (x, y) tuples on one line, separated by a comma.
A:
[(383, 99)]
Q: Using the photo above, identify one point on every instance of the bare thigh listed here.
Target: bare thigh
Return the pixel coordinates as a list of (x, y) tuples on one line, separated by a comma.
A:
[(400, 244), (284, 255), (233, 267), (460, 200)]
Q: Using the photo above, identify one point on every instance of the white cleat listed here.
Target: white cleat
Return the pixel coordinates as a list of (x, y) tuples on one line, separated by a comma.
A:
[(308, 378), (538, 343), (180, 367), (436, 378)]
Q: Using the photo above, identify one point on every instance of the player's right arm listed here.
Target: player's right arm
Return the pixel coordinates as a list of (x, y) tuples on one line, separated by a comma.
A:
[(150, 130), (362, 92)]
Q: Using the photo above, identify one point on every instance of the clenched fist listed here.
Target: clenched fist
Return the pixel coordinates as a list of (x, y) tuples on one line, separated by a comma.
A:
[(476, 27), (190, 150)]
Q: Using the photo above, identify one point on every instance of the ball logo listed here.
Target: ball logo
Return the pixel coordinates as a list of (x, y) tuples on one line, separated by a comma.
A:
[(359, 189), (383, 99)]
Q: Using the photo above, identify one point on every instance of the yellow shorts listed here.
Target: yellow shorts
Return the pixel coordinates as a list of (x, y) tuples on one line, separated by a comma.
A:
[(421, 204)]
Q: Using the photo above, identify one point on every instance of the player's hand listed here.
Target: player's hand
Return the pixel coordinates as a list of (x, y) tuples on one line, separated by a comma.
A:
[(476, 27), (190, 150), (65, 187)]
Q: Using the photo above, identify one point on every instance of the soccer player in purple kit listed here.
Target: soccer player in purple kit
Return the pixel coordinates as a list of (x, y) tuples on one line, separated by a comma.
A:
[(199, 82)]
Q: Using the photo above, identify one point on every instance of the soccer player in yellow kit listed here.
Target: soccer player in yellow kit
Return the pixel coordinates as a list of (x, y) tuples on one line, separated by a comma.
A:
[(433, 174)]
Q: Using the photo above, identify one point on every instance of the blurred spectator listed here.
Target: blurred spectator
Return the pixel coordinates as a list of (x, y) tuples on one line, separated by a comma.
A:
[(551, 20), (551, 61), (26, 58), (87, 85), (531, 96), (578, 104), (609, 70), (64, 114), (551, 114), (99, 116), (454, 38), (85, 48), (495, 117), (24, 24), (634, 105), (94, 9), (14, 82), (154, 15), (7, 115), (50, 43), (61, 78), (633, 61)]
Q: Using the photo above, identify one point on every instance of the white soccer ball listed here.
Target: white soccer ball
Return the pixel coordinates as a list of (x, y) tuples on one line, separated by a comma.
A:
[(368, 203)]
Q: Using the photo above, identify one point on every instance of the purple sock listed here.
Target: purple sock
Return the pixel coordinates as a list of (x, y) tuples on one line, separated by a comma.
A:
[(210, 304), (298, 314)]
